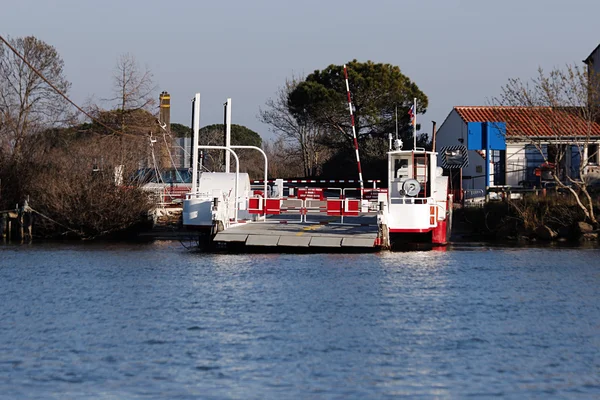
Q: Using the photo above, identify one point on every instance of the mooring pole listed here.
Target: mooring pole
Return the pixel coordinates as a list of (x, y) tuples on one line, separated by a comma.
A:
[(227, 134), (433, 133), (27, 221), (3, 220), (195, 134), (21, 225)]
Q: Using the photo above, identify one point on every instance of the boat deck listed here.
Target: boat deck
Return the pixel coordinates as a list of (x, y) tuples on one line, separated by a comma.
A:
[(357, 232)]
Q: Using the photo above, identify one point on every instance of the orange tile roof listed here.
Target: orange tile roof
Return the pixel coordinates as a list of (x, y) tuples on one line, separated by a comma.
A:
[(532, 121)]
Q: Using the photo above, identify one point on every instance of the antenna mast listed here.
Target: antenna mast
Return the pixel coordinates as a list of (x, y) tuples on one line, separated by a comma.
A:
[(396, 121)]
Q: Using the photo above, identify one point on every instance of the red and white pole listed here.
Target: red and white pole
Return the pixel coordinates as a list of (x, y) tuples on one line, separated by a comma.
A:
[(360, 177)]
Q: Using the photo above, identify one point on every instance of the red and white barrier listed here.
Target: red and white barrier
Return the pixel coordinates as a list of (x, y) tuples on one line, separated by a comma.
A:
[(316, 181), (312, 201)]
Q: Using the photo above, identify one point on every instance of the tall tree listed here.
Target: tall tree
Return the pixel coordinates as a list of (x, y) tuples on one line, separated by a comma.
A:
[(377, 90), (27, 103), (133, 86), (180, 130), (250, 160), (283, 161), (133, 90), (569, 99), (303, 137)]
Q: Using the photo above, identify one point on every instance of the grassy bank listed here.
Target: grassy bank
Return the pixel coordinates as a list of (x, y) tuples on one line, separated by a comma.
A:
[(528, 219)]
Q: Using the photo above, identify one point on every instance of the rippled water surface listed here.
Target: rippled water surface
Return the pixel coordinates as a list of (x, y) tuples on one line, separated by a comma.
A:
[(155, 321)]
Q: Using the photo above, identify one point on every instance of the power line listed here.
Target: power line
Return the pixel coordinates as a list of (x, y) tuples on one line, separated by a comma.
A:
[(60, 92)]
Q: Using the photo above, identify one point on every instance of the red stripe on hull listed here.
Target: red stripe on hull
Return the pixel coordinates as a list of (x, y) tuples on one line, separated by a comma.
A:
[(410, 230), (439, 235)]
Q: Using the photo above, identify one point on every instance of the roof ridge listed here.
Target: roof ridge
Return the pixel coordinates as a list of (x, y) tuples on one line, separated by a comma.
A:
[(529, 120), (508, 107), (586, 61)]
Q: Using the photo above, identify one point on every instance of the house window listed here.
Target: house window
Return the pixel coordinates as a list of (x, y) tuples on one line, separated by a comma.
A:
[(555, 153), (593, 154), (534, 159)]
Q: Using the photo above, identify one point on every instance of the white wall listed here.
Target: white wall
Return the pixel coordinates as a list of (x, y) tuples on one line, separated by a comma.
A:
[(516, 164), (450, 131), (455, 128)]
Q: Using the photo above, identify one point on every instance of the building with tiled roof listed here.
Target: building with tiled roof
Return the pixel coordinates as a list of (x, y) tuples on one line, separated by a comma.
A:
[(532, 122), (593, 62), (518, 135)]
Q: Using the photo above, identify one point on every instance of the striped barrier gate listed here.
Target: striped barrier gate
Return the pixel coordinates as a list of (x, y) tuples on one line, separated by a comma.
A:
[(260, 205), (312, 201), (343, 207)]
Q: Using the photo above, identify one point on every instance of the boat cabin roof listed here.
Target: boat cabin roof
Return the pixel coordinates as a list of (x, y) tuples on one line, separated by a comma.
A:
[(410, 152)]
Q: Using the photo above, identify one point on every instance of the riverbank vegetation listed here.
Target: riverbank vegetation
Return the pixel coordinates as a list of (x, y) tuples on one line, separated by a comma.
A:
[(78, 168), (77, 176), (528, 219)]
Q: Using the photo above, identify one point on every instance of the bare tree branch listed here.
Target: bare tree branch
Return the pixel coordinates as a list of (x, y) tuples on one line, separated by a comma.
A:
[(302, 136), (28, 104), (566, 103)]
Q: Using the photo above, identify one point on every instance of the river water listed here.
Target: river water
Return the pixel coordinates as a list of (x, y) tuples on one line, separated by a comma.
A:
[(137, 321)]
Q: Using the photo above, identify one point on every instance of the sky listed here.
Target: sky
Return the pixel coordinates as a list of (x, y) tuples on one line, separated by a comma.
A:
[(459, 52)]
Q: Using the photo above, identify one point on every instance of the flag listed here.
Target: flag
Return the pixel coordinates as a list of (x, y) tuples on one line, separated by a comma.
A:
[(411, 114)]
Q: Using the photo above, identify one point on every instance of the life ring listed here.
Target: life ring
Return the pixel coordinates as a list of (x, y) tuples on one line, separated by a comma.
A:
[(411, 187)]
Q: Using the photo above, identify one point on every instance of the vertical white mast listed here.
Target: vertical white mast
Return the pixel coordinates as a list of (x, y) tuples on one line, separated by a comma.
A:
[(396, 121), (415, 126), (196, 133), (227, 134)]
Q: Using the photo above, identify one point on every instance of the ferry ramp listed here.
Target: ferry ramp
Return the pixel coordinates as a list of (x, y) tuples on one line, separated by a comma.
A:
[(320, 231)]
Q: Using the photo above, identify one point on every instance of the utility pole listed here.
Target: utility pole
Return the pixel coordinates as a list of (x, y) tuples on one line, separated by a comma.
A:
[(227, 134), (433, 133)]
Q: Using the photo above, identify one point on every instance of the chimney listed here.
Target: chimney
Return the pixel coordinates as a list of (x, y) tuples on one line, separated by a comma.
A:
[(165, 110)]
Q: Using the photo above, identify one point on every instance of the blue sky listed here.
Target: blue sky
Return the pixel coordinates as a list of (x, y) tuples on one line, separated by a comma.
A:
[(458, 52)]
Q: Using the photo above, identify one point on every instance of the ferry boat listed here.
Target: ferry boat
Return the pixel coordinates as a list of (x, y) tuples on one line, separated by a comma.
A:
[(416, 206)]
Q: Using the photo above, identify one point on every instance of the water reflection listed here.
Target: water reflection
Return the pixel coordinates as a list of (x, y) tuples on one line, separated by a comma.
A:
[(158, 321)]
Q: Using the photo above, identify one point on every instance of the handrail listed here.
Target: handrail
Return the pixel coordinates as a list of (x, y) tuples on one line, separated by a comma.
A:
[(266, 162)]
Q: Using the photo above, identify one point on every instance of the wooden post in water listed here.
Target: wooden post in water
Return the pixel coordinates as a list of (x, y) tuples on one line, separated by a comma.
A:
[(3, 221), (384, 232), (28, 222), (21, 231), (25, 222)]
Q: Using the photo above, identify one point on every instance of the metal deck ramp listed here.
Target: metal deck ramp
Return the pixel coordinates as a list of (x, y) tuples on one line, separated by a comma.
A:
[(317, 235)]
